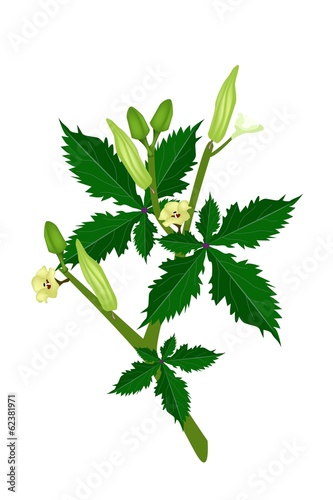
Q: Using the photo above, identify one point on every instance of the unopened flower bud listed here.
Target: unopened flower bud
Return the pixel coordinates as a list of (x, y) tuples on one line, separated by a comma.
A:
[(162, 117), (137, 124), (53, 238)]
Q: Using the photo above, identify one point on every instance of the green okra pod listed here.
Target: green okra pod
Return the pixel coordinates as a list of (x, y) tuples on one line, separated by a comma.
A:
[(129, 156), (224, 107), (95, 276)]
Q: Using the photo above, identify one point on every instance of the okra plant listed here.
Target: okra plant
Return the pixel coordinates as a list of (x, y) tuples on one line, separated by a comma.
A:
[(157, 212)]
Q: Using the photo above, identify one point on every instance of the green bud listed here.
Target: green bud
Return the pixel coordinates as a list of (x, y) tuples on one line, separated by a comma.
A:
[(96, 278), (224, 107), (162, 117), (130, 157), (53, 238), (137, 124)]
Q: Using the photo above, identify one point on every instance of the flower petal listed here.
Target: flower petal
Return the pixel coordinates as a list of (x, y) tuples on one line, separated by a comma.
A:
[(245, 125), (183, 206), (37, 283), (42, 295), (168, 209), (54, 284), (42, 272), (169, 221)]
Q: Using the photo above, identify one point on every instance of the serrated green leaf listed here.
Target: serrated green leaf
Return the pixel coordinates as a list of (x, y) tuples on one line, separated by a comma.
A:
[(136, 379), (144, 236), (175, 398), (174, 158), (209, 219), (260, 221), (250, 296), (172, 293), (168, 347), (180, 243), (194, 358), (95, 164), (103, 234), (148, 355)]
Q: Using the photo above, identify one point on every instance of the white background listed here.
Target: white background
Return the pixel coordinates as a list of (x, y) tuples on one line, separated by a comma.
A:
[(260, 399)]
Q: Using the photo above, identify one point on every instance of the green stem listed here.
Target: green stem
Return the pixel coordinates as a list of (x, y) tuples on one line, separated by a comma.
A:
[(198, 182), (221, 147), (193, 433), (123, 328), (154, 194), (146, 145), (150, 339), (62, 262), (196, 438), (207, 154), (156, 136)]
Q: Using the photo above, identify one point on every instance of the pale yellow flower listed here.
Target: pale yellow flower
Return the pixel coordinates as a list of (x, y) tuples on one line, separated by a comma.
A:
[(45, 284), (175, 213), (245, 125)]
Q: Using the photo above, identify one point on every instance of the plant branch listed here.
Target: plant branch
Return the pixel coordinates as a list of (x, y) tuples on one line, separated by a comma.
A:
[(61, 282), (150, 338), (193, 433), (123, 328), (221, 147), (154, 193), (198, 182), (207, 154)]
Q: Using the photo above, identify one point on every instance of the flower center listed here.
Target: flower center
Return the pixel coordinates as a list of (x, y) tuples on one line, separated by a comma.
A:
[(175, 215), (47, 284)]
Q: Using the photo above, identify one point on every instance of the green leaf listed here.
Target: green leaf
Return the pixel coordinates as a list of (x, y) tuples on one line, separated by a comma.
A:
[(196, 358), (175, 398), (103, 234), (148, 355), (250, 296), (172, 293), (136, 379), (180, 243), (209, 221), (95, 164), (144, 236), (168, 347), (174, 158), (261, 220)]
